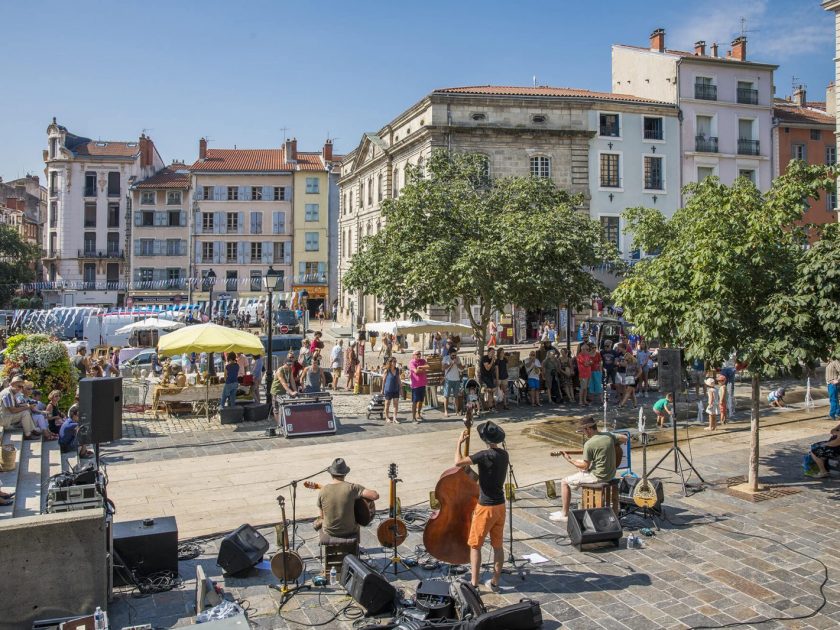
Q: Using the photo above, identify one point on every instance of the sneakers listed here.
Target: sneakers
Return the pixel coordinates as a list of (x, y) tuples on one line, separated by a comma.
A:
[(493, 588), (817, 475), (558, 516)]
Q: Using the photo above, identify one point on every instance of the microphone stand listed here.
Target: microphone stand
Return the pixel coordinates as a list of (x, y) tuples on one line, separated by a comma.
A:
[(512, 483), (293, 484)]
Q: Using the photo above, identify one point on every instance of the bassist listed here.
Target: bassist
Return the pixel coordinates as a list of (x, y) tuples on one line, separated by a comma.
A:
[(336, 502), (489, 514)]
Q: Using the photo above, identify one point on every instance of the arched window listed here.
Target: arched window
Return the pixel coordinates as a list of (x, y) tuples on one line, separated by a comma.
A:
[(370, 191), (395, 184), (361, 194), (540, 166), (379, 186), (350, 206)]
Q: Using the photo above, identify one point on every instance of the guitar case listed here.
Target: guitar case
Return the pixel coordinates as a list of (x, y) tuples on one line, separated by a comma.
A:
[(526, 615), (467, 600)]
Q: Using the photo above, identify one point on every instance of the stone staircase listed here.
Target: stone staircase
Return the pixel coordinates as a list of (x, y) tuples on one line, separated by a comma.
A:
[(37, 461)]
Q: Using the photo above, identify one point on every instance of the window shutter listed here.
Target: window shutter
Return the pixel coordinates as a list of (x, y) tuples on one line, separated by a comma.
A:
[(287, 255), (218, 220), (301, 270), (241, 222), (268, 252), (275, 223), (217, 252), (282, 222), (322, 268), (198, 252), (138, 218), (268, 193), (243, 191), (218, 193), (136, 275), (182, 218), (259, 222), (136, 246)]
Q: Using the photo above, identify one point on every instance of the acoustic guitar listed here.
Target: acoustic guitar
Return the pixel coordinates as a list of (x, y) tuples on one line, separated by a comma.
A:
[(644, 494), (392, 532), (286, 564), (619, 452), (363, 509)]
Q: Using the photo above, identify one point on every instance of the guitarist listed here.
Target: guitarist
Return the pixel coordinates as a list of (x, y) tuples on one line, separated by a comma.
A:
[(336, 501), (489, 514), (598, 462)]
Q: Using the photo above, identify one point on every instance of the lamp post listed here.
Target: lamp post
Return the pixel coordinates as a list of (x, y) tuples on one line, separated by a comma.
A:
[(272, 279), (211, 279)]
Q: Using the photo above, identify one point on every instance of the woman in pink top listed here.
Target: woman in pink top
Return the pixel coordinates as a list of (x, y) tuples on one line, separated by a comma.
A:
[(417, 368), (584, 362)]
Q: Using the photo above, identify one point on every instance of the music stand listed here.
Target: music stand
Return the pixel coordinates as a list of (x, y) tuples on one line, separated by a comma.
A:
[(678, 456)]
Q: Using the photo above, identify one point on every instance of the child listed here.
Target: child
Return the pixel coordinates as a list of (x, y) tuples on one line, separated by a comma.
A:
[(776, 398), (712, 404), (723, 394), (68, 436), (663, 408)]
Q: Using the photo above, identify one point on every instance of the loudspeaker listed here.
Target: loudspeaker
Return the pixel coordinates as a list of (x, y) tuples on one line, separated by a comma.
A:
[(669, 370), (592, 526), (628, 484), (241, 549), (100, 410), (526, 615), (370, 590), (145, 547)]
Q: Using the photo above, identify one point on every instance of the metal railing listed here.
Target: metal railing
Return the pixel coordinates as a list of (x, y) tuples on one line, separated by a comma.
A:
[(608, 130), (102, 253), (705, 91), (747, 147), (310, 278), (706, 144), (747, 96), (653, 134)]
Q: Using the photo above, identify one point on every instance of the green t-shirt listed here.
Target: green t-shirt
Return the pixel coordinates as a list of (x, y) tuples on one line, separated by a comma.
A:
[(337, 501), (599, 451), (661, 405)]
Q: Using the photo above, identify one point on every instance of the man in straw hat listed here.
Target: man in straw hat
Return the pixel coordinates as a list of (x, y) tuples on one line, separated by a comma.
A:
[(336, 501), (489, 514), (598, 462)]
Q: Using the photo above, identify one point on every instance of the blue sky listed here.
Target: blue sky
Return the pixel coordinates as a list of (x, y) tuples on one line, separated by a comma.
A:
[(239, 72)]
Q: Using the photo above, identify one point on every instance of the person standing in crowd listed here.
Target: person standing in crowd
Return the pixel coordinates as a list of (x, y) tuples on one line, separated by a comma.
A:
[(391, 386), (584, 365), (487, 377), (533, 369), (645, 363), (632, 372), (452, 368), (502, 375), (231, 381), (437, 343), (80, 361), (550, 368), (552, 333), (723, 395), (608, 357), (351, 362), (566, 370), (317, 342), (698, 371), (712, 404), (242, 362), (337, 362), (258, 377), (596, 379), (312, 378), (321, 315), (832, 379), (493, 330), (417, 369)]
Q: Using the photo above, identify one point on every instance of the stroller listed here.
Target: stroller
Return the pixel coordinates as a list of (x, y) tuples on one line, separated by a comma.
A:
[(472, 397), (376, 406)]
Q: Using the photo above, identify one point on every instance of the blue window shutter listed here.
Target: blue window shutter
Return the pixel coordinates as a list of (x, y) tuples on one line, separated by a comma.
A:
[(259, 222), (321, 267), (136, 246), (275, 223), (282, 222), (138, 218), (268, 193), (182, 219), (301, 268), (198, 252), (268, 252), (287, 256), (218, 221), (217, 252), (243, 191), (240, 253), (241, 222), (218, 193)]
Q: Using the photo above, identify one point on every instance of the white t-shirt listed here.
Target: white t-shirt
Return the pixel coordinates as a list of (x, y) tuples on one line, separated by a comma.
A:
[(336, 357), (533, 368), (451, 372)]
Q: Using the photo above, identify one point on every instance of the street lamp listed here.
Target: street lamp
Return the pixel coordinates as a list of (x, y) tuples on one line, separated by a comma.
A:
[(273, 280), (211, 279)]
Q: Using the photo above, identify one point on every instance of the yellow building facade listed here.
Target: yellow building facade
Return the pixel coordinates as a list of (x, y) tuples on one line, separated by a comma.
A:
[(311, 203)]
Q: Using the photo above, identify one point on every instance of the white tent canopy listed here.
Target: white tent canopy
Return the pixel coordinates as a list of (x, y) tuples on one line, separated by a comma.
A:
[(421, 326), (152, 323)]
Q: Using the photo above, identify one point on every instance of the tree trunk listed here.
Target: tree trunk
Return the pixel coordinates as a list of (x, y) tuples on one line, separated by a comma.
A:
[(752, 478)]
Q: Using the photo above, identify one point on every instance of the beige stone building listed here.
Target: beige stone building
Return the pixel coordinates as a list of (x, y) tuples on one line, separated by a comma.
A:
[(832, 101)]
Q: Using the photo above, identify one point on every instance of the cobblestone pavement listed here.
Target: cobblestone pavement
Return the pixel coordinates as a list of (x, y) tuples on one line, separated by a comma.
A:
[(717, 560)]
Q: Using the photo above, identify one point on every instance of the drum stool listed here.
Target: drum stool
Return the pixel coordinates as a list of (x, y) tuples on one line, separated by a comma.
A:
[(334, 549), (600, 494)]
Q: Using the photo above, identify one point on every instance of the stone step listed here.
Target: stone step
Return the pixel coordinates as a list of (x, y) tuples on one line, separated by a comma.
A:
[(9, 479), (50, 465), (28, 497)]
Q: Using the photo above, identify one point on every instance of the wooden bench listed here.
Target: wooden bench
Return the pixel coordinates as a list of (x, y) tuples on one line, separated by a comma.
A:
[(199, 396)]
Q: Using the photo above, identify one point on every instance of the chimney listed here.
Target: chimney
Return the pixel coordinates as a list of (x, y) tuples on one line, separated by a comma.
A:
[(291, 150), (830, 100), (145, 151), (739, 48), (657, 40), (327, 152), (714, 49), (700, 48), (202, 148), (799, 96)]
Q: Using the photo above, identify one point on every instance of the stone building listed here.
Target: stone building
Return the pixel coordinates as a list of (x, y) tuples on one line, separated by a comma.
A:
[(85, 233), (22, 206), (833, 102)]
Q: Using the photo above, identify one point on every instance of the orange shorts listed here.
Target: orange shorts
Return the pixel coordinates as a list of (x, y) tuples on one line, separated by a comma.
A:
[(487, 519)]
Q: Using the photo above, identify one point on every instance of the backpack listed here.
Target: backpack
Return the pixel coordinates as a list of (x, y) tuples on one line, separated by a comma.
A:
[(809, 466)]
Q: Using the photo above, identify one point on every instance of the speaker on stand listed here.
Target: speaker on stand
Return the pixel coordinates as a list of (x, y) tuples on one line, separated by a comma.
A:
[(100, 410)]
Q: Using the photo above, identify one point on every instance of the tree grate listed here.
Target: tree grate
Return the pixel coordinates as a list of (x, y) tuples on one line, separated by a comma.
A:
[(770, 492)]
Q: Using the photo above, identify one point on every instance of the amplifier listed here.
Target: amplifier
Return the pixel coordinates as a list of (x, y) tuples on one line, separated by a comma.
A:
[(306, 415), (145, 547)]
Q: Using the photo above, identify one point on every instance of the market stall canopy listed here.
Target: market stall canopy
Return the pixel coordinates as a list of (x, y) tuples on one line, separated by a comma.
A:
[(152, 323), (418, 327), (209, 338)]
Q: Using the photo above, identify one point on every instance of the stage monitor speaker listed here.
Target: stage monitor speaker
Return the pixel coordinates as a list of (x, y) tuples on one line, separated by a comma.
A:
[(241, 549), (100, 410), (593, 526), (370, 590), (145, 547), (526, 615), (669, 370)]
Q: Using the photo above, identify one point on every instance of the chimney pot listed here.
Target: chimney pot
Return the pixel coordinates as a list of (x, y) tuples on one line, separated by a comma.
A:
[(700, 48), (799, 96), (327, 152), (202, 148), (657, 40), (714, 49), (739, 48)]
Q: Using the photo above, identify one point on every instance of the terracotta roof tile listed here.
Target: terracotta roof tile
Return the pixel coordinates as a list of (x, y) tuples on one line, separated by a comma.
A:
[(244, 160), (562, 92), (685, 53), (792, 113), (167, 177), (309, 161), (105, 148)]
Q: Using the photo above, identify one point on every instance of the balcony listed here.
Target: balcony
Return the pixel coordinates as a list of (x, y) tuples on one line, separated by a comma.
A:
[(747, 96), (310, 278), (706, 144), (102, 253), (50, 253), (705, 91), (747, 147)]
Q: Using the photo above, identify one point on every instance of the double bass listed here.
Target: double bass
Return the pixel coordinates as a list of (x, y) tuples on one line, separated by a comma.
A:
[(448, 528)]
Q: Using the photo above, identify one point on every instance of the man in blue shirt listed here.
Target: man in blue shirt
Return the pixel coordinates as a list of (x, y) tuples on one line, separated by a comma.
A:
[(231, 380)]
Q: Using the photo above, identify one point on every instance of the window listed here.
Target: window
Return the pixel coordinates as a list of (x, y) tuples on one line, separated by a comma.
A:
[(313, 185), (313, 210), (207, 193), (256, 223), (799, 152), (232, 193), (279, 193), (112, 275), (90, 274), (173, 274), (610, 169), (281, 255), (90, 214), (53, 214), (53, 147), (256, 252), (232, 222), (608, 125), (652, 128), (207, 253), (173, 198), (831, 200), (747, 173), (704, 140), (705, 89), (113, 243), (113, 215), (395, 185), (610, 230), (173, 247), (746, 93), (479, 116), (540, 166), (53, 272), (147, 247), (350, 207), (256, 280), (704, 171), (746, 144), (815, 134), (147, 218), (370, 191), (173, 218), (830, 156), (311, 241), (207, 222), (654, 179), (90, 184), (379, 185), (147, 197), (114, 184), (90, 243), (146, 274), (231, 250), (362, 194), (231, 280), (256, 193), (278, 223)]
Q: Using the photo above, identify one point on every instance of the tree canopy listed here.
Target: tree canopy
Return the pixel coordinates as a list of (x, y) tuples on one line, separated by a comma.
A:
[(455, 235), (17, 260)]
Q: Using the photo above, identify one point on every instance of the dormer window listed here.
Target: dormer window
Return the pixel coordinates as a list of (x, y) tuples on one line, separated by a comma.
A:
[(479, 116)]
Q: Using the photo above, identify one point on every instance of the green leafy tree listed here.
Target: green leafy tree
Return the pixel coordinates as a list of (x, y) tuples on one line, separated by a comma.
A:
[(17, 261), (723, 261), (455, 235)]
